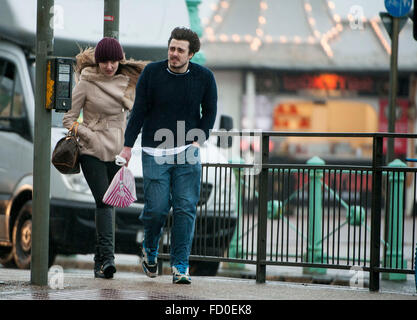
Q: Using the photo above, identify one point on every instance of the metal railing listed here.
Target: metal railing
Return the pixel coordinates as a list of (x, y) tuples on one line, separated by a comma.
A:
[(312, 215)]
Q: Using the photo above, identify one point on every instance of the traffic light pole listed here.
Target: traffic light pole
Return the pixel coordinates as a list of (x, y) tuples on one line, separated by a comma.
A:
[(393, 80), (42, 148), (111, 29)]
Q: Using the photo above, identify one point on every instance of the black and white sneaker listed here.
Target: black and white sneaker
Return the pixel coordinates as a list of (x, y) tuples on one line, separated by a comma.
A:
[(149, 266)]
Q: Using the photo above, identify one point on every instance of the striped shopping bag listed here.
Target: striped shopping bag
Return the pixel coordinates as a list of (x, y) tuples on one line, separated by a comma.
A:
[(122, 190)]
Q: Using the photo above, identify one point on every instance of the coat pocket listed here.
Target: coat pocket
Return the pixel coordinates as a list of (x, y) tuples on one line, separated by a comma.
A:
[(92, 143)]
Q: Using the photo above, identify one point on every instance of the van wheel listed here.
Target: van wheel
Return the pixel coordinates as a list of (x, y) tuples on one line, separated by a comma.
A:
[(22, 237), (22, 240), (204, 268)]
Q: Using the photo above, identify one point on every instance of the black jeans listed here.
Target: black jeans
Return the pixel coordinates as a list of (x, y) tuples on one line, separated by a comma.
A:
[(99, 175)]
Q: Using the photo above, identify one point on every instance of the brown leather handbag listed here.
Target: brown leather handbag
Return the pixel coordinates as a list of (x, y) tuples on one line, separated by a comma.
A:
[(65, 156)]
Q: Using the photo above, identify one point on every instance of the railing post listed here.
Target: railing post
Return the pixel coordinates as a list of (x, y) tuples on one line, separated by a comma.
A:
[(395, 217), (233, 248), (415, 267), (262, 212), (315, 215), (377, 162)]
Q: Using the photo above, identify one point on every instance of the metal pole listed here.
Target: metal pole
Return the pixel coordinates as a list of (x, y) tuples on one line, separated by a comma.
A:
[(111, 18), (393, 87), (377, 162), (263, 213), (111, 29), (42, 148)]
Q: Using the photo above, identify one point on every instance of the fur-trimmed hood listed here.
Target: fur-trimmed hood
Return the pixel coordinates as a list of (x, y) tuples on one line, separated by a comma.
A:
[(87, 69), (104, 102)]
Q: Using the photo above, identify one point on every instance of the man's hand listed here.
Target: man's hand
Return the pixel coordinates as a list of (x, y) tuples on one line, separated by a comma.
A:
[(127, 154), (196, 144)]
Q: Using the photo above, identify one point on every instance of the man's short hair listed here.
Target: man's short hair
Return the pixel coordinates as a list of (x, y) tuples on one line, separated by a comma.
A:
[(182, 33)]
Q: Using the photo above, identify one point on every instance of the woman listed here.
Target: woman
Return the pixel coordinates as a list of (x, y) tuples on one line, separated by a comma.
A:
[(105, 92)]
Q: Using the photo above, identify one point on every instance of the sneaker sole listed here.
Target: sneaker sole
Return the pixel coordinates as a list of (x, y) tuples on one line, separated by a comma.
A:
[(182, 280)]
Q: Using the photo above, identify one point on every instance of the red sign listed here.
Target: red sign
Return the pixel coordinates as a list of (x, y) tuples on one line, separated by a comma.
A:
[(401, 123), (108, 18)]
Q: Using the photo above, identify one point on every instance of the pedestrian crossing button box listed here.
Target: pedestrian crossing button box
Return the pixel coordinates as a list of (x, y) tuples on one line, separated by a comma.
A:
[(59, 83)]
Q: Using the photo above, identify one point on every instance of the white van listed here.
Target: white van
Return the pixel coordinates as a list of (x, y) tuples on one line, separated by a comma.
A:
[(72, 227)]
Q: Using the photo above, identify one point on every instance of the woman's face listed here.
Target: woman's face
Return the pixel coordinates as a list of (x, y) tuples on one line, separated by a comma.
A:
[(109, 68)]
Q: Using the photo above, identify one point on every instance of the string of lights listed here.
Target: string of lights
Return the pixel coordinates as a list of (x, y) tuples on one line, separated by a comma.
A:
[(260, 35), (375, 26)]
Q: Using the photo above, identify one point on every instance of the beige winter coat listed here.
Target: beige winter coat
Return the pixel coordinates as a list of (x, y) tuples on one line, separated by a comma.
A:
[(104, 103)]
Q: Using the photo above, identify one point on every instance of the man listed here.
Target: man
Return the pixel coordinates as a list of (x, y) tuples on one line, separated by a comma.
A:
[(176, 104)]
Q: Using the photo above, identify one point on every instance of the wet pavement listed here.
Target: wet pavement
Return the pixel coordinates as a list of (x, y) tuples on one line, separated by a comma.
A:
[(220, 297), (66, 282)]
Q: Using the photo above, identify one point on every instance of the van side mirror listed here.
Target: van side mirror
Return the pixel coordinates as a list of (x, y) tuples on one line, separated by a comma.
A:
[(226, 123)]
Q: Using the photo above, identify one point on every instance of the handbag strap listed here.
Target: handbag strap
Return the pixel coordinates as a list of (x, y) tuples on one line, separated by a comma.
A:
[(74, 129)]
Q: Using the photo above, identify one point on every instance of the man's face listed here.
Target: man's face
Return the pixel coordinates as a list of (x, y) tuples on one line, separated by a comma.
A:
[(179, 55)]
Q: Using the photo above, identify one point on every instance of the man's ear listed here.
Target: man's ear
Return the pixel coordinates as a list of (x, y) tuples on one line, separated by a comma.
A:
[(190, 56)]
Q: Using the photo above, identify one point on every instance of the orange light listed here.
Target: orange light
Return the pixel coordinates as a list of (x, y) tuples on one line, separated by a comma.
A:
[(329, 82), (49, 87)]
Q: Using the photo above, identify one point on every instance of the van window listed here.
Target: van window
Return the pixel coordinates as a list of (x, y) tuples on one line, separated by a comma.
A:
[(12, 102), (6, 88)]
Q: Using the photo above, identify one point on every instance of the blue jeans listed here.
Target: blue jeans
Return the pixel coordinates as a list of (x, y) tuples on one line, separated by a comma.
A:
[(171, 181)]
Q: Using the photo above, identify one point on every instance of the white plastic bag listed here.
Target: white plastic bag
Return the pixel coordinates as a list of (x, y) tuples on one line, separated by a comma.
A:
[(122, 190)]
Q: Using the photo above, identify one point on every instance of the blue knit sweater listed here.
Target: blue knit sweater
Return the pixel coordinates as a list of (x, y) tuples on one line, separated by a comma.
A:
[(165, 100)]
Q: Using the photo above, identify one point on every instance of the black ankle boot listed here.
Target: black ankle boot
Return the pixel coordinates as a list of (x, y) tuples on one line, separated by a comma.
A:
[(105, 244), (98, 262), (108, 268)]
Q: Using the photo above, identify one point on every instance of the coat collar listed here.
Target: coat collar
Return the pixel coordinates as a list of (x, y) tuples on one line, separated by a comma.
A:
[(94, 74)]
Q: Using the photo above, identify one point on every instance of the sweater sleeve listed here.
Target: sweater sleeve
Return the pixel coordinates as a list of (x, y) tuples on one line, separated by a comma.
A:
[(139, 110), (209, 106)]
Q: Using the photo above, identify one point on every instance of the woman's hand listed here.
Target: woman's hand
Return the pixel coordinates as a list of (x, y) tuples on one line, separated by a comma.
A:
[(126, 153)]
